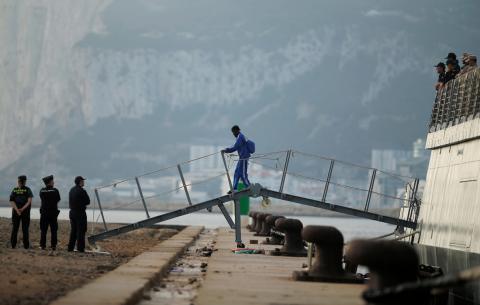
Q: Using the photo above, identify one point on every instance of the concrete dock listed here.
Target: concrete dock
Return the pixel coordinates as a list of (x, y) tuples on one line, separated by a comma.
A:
[(126, 284), (263, 279), (152, 277)]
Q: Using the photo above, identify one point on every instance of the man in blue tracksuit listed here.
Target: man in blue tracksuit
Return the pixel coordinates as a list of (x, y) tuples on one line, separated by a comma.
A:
[(243, 153)]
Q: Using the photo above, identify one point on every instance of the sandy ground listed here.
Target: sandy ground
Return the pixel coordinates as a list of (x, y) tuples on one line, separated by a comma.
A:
[(34, 277)]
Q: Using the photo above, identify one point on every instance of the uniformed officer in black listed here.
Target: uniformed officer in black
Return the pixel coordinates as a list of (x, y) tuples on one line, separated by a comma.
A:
[(49, 213), (78, 201), (21, 201)]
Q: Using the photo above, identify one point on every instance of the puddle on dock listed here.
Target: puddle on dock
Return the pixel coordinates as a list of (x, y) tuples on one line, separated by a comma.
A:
[(186, 275)]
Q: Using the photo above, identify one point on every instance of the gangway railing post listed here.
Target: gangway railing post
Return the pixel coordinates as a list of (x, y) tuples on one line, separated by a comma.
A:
[(236, 204), (370, 189), (101, 210), (329, 176), (411, 200), (184, 184), (415, 202), (141, 197), (285, 169)]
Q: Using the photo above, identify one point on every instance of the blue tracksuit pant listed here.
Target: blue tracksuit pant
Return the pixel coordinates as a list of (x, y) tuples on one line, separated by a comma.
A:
[(241, 173)]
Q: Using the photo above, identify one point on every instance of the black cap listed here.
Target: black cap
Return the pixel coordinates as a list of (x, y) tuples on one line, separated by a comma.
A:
[(440, 64), (235, 128), (22, 178), (451, 56), (78, 179), (47, 179)]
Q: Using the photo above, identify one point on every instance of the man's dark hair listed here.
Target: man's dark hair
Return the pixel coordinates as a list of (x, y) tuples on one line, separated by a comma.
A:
[(235, 128)]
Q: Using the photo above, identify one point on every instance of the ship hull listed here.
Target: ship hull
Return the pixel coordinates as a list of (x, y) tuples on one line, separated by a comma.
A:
[(453, 261)]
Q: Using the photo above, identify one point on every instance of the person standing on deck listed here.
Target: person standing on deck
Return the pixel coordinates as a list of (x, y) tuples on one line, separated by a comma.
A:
[(49, 213), (21, 201), (453, 58), (244, 148), (78, 201), (450, 74), (441, 76)]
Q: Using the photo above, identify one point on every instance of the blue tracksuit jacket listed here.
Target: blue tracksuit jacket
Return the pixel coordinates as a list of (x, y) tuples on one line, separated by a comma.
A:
[(242, 166)]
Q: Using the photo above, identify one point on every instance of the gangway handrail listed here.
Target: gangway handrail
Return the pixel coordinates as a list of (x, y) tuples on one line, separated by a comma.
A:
[(258, 190), (254, 191), (352, 164)]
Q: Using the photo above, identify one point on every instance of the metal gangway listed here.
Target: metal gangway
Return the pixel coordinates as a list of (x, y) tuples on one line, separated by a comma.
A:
[(289, 176)]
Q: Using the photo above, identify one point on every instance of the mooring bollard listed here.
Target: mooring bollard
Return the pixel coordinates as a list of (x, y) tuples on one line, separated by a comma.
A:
[(250, 226), (327, 266), (390, 263), (260, 219), (275, 238), (257, 222), (265, 231), (292, 228)]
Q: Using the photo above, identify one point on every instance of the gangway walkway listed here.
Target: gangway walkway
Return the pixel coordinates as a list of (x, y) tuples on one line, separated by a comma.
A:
[(409, 200)]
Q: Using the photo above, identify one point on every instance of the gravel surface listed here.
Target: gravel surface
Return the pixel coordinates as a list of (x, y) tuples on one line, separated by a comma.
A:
[(34, 276)]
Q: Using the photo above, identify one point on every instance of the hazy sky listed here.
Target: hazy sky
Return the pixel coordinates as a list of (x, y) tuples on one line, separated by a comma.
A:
[(114, 87)]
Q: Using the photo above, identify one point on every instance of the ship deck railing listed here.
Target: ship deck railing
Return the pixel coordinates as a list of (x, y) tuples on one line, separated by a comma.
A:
[(457, 101)]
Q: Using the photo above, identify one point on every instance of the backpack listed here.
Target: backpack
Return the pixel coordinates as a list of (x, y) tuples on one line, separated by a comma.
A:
[(250, 146)]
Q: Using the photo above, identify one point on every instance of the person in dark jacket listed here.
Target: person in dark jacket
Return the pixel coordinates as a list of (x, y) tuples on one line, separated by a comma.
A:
[(21, 201), (453, 58), (49, 213), (78, 201), (451, 72), (441, 75)]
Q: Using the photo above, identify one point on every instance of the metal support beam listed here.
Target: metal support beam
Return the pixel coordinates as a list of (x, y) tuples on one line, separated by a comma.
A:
[(184, 184), (167, 216), (285, 169), (141, 196), (327, 183), (370, 189), (227, 216), (338, 208), (101, 210), (236, 203), (238, 222)]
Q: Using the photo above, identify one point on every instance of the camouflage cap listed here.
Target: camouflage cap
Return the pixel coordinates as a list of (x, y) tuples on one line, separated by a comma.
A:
[(465, 56)]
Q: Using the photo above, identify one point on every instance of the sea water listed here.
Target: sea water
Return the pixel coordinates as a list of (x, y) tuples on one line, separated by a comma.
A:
[(350, 227)]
